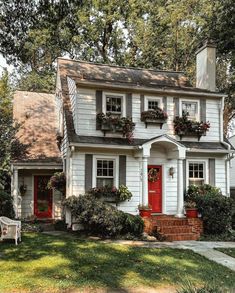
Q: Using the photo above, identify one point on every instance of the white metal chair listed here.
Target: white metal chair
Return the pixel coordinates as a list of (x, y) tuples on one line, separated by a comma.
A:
[(10, 229)]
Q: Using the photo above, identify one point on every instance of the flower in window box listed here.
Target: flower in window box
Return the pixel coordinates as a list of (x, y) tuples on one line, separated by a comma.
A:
[(156, 114), (113, 123), (184, 126)]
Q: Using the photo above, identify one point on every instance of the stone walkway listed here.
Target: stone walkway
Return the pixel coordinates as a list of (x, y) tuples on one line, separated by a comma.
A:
[(204, 248)]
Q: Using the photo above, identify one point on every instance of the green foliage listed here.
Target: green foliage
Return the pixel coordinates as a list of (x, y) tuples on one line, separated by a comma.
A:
[(111, 193), (216, 209), (101, 218), (189, 287), (6, 205), (57, 182)]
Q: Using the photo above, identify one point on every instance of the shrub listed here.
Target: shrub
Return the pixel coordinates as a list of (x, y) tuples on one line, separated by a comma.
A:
[(6, 205), (216, 209), (101, 218)]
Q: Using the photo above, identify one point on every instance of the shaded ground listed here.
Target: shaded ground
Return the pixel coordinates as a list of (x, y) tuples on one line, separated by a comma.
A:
[(44, 263)]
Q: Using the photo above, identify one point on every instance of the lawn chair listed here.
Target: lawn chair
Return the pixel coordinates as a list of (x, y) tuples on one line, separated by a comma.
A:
[(10, 229)]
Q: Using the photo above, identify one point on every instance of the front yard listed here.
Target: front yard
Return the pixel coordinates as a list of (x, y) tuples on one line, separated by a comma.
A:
[(43, 263), (228, 251)]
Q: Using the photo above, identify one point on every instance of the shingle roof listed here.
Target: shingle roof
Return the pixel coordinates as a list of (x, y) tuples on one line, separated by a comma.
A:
[(36, 114)]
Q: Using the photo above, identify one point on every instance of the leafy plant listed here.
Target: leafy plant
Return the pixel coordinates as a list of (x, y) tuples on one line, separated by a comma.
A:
[(101, 218), (144, 207), (57, 182), (114, 123), (216, 209), (118, 194), (184, 126), (158, 113), (6, 205)]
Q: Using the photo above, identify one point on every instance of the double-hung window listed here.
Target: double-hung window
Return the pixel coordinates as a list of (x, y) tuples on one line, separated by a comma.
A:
[(114, 104), (196, 173), (151, 103), (105, 172), (191, 108)]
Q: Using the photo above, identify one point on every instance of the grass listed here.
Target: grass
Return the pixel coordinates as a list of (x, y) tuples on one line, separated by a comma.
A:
[(43, 263), (228, 251)]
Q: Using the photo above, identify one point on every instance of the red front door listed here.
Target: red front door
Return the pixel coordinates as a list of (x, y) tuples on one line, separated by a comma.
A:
[(42, 197), (155, 187)]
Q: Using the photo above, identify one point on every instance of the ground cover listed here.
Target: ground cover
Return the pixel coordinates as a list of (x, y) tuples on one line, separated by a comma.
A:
[(44, 263)]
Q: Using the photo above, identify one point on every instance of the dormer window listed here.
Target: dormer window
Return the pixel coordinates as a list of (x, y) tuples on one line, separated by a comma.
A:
[(191, 108), (114, 103), (152, 103)]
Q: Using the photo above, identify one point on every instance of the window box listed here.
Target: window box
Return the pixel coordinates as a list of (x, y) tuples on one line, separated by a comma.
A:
[(156, 116), (113, 123), (185, 127)]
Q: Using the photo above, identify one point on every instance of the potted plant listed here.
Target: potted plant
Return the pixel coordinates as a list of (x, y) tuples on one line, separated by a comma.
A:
[(156, 116), (145, 210), (23, 189), (58, 182), (191, 209)]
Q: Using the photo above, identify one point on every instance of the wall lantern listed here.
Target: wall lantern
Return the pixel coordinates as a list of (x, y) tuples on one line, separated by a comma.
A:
[(172, 172)]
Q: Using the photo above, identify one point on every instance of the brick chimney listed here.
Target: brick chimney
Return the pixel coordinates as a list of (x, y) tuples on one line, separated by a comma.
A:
[(206, 66)]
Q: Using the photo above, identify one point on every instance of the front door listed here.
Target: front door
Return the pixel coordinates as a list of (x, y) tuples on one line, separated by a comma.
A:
[(42, 197), (155, 188)]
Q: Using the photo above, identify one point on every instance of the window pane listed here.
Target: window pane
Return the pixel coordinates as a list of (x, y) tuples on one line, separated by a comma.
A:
[(99, 172), (100, 182), (190, 108), (99, 164), (105, 164), (152, 105), (113, 104), (110, 173)]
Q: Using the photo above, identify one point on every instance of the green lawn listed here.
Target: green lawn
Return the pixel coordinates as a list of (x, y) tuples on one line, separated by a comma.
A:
[(45, 263), (228, 251)]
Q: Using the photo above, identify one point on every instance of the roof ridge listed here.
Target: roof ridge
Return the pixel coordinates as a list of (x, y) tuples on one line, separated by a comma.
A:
[(119, 66)]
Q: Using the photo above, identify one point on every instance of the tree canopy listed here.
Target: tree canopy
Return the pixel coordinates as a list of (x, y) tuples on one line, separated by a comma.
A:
[(152, 34)]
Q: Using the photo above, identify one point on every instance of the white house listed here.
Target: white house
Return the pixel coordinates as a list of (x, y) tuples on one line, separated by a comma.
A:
[(93, 155)]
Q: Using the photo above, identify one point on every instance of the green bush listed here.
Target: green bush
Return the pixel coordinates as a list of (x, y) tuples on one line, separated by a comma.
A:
[(6, 205), (101, 218), (216, 209)]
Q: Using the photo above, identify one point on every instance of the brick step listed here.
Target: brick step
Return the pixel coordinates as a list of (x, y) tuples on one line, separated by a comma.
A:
[(181, 236), (174, 229), (181, 222)]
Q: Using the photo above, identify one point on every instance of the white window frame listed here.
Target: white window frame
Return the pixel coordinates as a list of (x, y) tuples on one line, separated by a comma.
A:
[(153, 98), (115, 160), (197, 118), (199, 161), (123, 102)]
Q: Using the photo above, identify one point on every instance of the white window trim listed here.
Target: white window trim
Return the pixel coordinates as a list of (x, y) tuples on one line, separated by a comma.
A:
[(205, 163), (189, 100), (153, 98), (115, 169), (122, 96)]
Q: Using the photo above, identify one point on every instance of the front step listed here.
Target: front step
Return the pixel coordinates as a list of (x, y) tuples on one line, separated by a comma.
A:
[(173, 229)]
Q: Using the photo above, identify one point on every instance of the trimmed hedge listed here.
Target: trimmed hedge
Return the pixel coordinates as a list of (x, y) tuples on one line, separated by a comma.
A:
[(6, 205), (101, 218)]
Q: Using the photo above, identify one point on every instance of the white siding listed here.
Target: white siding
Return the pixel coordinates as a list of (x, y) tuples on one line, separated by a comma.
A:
[(213, 116), (220, 177), (232, 165), (73, 97)]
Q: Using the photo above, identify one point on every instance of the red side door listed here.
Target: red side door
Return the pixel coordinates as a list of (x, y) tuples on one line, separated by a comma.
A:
[(155, 188), (42, 197)]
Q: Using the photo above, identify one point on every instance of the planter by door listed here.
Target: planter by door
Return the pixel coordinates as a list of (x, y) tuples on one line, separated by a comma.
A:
[(145, 213), (42, 197), (155, 190), (192, 213)]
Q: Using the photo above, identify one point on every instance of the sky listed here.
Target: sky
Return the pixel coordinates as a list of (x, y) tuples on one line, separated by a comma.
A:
[(3, 65)]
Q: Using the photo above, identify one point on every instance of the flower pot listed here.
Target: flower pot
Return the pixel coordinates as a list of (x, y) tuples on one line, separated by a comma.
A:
[(145, 213), (192, 213)]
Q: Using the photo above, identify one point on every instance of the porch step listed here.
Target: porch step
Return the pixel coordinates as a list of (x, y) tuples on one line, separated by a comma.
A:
[(173, 229), (47, 226), (181, 236)]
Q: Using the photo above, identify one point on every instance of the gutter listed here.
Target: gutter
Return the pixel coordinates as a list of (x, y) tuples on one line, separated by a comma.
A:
[(137, 88)]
